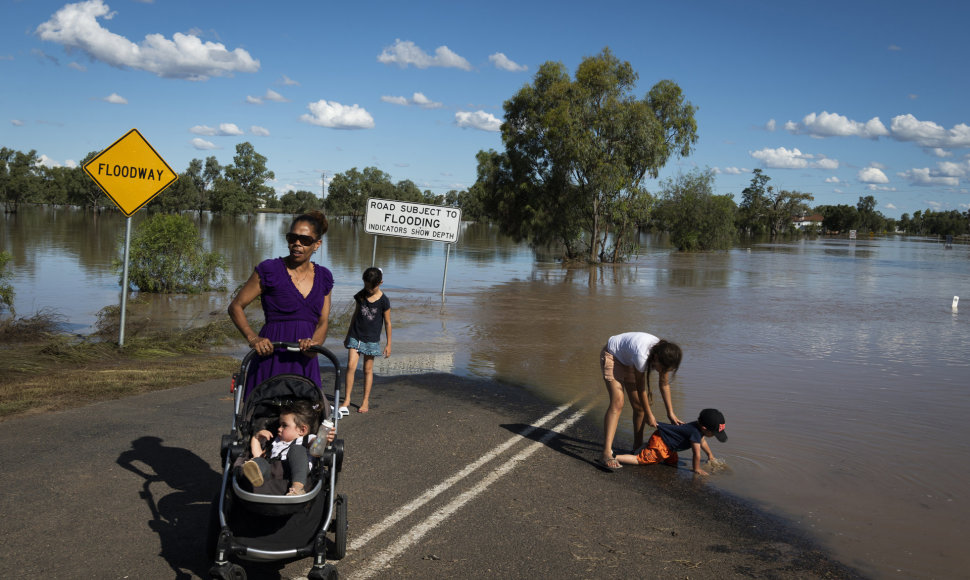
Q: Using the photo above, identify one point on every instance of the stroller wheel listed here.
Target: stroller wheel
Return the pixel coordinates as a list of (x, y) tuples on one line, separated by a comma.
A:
[(340, 529), (325, 572), (228, 572)]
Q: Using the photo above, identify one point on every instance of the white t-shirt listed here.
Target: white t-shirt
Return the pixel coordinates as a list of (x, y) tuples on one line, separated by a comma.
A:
[(632, 348)]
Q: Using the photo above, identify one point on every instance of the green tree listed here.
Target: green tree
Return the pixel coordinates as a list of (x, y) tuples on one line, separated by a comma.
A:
[(229, 197), (19, 178), (867, 213), (6, 289), (297, 202), (250, 173), (839, 218), (83, 191), (348, 192), (167, 256), (577, 152), (782, 207), (695, 216), (752, 211)]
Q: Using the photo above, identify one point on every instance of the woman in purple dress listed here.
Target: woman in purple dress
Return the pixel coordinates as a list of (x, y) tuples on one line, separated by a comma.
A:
[(295, 295)]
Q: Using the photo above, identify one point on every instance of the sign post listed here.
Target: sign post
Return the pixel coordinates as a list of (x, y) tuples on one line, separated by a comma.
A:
[(131, 173), (405, 219)]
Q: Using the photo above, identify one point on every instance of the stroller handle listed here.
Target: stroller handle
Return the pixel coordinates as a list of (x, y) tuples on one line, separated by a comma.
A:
[(295, 347)]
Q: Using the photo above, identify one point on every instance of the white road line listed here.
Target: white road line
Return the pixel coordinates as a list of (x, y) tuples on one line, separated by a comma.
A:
[(360, 541), (384, 558)]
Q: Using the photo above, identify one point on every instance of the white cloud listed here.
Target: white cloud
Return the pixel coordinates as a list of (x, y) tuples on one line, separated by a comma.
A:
[(833, 179), (893, 47), (478, 120), (940, 152), (770, 125), (424, 102), (890, 206), (254, 100), (729, 170), (77, 66), (337, 116), (272, 95), (872, 175), (827, 124), (417, 99), (405, 52), (200, 143), (16, 122), (115, 99), (259, 131), (224, 130), (48, 162), (287, 81), (185, 56), (501, 61), (925, 176), (874, 187), (782, 158), (929, 134)]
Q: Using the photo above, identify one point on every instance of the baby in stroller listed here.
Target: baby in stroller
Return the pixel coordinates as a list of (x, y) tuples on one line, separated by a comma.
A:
[(296, 422)]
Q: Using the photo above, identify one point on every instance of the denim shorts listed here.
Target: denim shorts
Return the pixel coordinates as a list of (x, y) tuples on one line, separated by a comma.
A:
[(364, 348)]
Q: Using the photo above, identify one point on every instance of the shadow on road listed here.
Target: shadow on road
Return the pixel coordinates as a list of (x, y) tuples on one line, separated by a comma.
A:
[(180, 507), (580, 449)]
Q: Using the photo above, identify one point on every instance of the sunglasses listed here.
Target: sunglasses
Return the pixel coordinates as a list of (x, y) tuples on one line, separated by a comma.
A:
[(292, 238)]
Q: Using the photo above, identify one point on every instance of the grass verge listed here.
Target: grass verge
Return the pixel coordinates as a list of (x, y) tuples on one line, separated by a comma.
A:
[(43, 369)]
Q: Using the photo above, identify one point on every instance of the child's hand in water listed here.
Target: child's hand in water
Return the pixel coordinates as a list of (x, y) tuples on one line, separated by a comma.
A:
[(717, 464)]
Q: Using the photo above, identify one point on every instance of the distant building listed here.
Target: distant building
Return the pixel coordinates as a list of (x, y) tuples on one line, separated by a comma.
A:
[(808, 222)]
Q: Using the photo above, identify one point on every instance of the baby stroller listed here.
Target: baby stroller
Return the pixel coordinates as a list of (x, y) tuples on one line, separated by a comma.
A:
[(259, 527)]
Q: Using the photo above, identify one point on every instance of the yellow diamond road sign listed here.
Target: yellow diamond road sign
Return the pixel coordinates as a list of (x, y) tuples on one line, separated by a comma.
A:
[(131, 172)]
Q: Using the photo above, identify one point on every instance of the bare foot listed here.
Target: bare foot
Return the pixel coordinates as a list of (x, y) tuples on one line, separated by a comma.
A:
[(363, 409)]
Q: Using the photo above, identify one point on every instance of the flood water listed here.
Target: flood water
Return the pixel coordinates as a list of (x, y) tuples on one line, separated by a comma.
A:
[(840, 366)]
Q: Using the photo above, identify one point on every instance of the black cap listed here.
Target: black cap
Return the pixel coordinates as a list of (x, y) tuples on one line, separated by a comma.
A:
[(713, 420)]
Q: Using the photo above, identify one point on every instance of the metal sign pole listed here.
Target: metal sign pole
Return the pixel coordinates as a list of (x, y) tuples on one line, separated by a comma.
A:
[(444, 276), (124, 283), (373, 257)]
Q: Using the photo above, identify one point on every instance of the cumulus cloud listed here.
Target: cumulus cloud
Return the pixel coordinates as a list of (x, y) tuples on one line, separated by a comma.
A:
[(270, 95), (200, 143), (48, 162), (478, 120), (417, 99), (832, 179), (729, 170), (337, 116), (926, 176), (770, 125), (115, 99), (404, 53), (940, 152), (782, 158), (287, 81), (890, 206), (259, 131), (929, 134), (827, 124), (16, 122), (503, 62), (184, 56), (224, 130), (872, 175)]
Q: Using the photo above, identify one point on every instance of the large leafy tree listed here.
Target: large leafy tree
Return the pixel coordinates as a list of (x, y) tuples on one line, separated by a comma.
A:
[(577, 152), (348, 192), (299, 201), (696, 218), (249, 172), (19, 177), (763, 209)]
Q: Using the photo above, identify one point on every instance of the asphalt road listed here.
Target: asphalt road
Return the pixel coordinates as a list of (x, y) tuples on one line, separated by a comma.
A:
[(446, 478)]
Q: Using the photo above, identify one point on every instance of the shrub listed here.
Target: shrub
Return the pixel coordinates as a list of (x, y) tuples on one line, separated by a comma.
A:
[(6, 290), (167, 256)]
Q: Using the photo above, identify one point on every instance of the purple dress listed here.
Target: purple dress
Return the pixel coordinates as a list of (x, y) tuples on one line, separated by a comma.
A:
[(289, 317)]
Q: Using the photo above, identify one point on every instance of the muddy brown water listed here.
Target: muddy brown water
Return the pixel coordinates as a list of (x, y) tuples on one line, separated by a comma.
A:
[(840, 365)]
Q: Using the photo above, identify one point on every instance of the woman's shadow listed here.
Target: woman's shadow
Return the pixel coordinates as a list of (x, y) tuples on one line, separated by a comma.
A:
[(180, 515)]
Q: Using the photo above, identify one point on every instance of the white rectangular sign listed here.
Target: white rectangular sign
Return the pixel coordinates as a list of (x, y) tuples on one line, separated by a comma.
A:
[(405, 219)]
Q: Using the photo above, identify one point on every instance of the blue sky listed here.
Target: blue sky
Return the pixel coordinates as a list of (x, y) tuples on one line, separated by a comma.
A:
[(837, 99)]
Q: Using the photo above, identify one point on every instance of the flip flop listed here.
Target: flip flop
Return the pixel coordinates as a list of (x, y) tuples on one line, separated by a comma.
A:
[(605, 463)]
